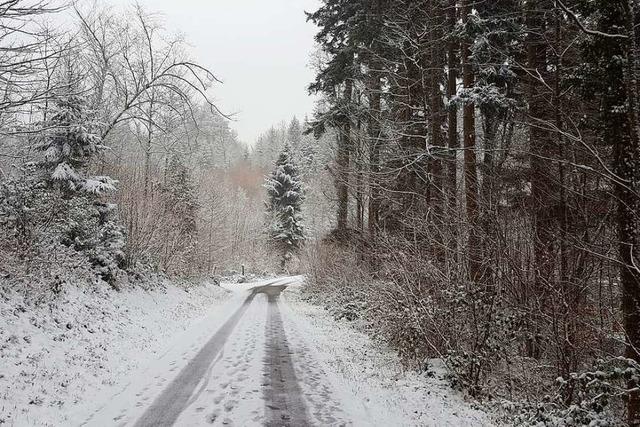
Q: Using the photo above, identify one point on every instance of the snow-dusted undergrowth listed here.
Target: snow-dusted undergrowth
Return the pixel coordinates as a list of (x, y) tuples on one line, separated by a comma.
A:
[(62, 355)]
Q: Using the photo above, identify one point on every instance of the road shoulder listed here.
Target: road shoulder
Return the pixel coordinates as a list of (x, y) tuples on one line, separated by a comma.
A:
[(372, 384)]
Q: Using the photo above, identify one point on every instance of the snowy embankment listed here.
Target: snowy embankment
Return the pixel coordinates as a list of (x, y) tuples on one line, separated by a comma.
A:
[(372, 383), (61, 357)]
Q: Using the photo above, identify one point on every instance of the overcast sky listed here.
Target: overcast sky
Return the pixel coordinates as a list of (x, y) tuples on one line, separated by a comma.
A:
[(259, 48)]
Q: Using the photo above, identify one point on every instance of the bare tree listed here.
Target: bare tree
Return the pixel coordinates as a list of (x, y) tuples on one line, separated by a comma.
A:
[(27, 50)]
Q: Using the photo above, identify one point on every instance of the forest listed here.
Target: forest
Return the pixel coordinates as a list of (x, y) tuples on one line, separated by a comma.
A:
[(467, 190), (487, 171)]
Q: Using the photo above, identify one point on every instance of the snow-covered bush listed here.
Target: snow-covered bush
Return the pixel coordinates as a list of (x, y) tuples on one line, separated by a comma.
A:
[(35, 220), (107, 255), (18, 203), (336, 280), (594, 397), (403, 300), (53, 202), (386, 301)]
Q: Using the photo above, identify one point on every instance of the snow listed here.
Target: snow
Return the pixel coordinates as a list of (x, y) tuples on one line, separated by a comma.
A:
[(372, 385), (58, 360), (99, 184), (231, 393), (64, 172), (100, 357), (242, 288)]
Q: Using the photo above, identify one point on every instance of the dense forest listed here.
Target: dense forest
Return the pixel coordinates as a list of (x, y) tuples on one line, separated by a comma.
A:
[(467, 190), (486, 167)]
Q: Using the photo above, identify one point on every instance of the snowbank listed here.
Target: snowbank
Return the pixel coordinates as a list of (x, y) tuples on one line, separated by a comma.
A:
[(374, 386), (58, 359)]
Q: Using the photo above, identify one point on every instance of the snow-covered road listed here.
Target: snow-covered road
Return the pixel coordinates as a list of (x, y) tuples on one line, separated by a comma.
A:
[(260, 360), (244, 374)]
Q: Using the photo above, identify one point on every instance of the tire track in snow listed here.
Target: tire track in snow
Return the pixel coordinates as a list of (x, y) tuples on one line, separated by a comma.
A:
[(284, 404), (168, 406), (324, 406), (232, 394)]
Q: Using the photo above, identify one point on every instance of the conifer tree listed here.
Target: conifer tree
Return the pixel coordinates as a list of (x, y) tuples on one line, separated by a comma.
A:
[(181, 207), (181, 196), (294, 133), (69, 143), (284, 206), (611, 56), (69, 140)]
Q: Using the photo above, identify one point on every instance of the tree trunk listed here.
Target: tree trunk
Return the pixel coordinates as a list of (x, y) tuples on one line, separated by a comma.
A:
[(374, 154), (373, 133), (543, 187), (148, 147), (359, 181), (627, 169), (453, 139), (470, 166), (626, 161), (343, 160), (435, 65)]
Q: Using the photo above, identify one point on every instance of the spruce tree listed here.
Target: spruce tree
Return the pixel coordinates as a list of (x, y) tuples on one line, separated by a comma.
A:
[(181, 197), (181, 207), (70, 142), (284, 206), (294, 133)]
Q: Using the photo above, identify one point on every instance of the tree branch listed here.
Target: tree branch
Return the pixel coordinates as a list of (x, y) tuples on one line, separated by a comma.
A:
[(584, 29)]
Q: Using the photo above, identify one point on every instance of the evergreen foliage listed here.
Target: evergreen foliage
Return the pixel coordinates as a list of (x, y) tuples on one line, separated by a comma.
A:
[(180, 200), (55, 202), (180, 197), (531, 142), (69, 142), (285, 197)]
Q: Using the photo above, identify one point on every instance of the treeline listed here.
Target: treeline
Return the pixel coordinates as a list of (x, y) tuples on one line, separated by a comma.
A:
[(113, 159), (486, 171)]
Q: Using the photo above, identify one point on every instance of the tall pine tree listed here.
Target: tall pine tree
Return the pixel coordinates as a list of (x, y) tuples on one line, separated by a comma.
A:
[(284, 206), (181, 209)]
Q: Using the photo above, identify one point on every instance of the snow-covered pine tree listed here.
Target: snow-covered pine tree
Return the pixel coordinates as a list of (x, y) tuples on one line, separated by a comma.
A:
[(70, 141), (181, 193), (284, 190), (181, 206), (107, 255), (294, 135)]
